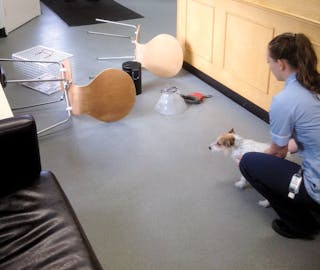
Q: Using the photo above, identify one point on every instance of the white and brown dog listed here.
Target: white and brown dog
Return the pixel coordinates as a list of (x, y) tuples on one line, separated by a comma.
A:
[(236, 146)]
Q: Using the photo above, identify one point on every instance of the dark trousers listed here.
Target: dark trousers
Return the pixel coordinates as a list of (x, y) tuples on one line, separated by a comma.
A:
[(271, 176)]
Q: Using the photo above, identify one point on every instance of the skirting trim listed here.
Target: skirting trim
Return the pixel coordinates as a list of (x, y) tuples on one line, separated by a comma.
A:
[(251, 107), (3, 32)]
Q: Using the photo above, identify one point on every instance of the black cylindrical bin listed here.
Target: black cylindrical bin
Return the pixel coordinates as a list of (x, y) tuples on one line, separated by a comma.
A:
[(133, 68)]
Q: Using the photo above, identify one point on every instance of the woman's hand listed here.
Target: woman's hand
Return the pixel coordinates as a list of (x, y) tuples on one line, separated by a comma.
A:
[(292, 146), (276, 150), (238, 159)]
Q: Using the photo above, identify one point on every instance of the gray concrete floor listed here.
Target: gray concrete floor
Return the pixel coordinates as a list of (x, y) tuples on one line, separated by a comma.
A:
[(146, 189)]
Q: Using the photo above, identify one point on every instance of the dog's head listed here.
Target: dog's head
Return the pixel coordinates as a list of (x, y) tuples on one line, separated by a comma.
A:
[(224, 141)]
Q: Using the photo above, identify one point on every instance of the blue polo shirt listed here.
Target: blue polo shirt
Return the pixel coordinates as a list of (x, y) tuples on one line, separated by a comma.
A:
[(295, 113)]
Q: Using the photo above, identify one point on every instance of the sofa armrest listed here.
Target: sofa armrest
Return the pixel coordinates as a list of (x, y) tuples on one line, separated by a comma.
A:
[(20, 157)]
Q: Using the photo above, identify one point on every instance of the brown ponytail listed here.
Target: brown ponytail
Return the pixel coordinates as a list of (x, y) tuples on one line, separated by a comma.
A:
[(298, 51)]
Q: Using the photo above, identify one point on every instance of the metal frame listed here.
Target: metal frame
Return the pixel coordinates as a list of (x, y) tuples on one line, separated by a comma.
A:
[(133, 40), (66, 85)]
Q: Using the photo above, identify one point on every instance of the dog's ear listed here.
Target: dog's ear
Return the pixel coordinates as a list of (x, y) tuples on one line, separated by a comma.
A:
[(230, 142), (231, 131), (227, 141)]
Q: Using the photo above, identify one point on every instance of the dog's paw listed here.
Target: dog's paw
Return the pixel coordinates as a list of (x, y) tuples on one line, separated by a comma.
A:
[(264, 203), (241, 184)]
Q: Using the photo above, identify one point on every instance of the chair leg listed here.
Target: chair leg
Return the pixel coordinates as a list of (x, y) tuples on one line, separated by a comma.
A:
[(38, 104), (69, 114)]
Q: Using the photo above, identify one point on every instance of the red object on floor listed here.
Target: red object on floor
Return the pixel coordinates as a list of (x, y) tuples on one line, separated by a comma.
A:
[(198, 95)]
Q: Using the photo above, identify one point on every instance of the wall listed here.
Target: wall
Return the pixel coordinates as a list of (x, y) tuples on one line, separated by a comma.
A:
[(1, 15), (14, 13)]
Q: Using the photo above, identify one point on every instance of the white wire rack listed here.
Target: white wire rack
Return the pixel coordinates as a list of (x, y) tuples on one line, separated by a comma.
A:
[(41, 67)]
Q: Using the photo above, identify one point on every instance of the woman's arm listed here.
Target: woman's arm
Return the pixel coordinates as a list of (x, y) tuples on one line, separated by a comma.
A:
[(276, 150)]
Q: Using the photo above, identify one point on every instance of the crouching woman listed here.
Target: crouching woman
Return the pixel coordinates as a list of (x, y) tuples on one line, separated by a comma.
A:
[(293, 190)]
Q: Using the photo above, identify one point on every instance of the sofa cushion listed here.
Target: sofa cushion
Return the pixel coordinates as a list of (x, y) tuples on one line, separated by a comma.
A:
[(39, 229)]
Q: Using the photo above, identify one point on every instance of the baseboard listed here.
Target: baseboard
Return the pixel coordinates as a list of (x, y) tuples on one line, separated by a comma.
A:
[(245, 103), (3, 32)]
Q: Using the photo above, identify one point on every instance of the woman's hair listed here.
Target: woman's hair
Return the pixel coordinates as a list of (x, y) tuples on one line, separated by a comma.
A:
[(297, 50)]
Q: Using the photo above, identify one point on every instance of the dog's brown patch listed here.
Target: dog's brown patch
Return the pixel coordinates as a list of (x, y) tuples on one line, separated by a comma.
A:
[(226, 140)]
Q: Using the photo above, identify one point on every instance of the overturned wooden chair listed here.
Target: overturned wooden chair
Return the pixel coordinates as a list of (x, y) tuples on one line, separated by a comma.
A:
[(162, 55), (109, 97)]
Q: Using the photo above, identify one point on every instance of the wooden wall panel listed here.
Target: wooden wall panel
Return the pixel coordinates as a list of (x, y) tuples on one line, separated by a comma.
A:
[(227, 40), (199, 29), (245, 51)]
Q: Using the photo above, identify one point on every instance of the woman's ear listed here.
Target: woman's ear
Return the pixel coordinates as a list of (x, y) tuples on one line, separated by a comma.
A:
[(282, 64)]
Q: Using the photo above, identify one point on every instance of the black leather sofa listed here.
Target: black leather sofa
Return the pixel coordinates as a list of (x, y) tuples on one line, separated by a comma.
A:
[(38, 227)]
